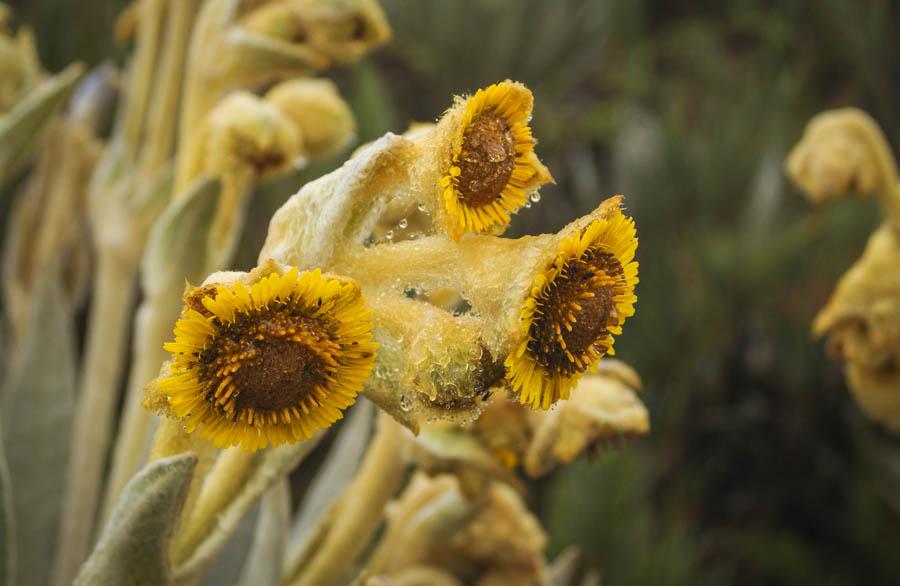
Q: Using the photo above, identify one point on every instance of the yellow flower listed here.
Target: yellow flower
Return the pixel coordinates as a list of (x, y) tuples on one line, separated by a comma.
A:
[(577, 303), (271, 363), (493, 167)]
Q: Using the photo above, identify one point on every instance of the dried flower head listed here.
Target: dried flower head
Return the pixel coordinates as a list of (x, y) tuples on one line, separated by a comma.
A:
[(577, 303), (269, 363), (863, 321), (316, 107), (492, 166), (842, 151), (329, 31), (604, 408), (434, 524)]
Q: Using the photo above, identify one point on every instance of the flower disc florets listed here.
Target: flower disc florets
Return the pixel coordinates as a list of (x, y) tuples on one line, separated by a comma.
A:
[(271, 363), (576, 305)]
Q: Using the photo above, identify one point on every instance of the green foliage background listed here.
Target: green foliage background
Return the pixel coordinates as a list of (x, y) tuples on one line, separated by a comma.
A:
[(759, 469)]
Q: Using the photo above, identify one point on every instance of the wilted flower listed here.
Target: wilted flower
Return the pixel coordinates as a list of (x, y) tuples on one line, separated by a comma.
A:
[(576, 305), (332, 31), (603, 407), (492, 166), (267, 363), (433, 524), (863, 321), (842, 152)]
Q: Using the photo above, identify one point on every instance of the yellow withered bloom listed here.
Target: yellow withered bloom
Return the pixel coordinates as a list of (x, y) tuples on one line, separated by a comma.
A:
[(575, 307), (492, 167), (270, 363)]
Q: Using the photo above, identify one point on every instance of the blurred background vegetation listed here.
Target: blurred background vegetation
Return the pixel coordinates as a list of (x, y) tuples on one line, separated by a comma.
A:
[(759, 469)]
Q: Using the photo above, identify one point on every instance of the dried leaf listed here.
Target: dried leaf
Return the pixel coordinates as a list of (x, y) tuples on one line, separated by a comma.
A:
[(134, 546)]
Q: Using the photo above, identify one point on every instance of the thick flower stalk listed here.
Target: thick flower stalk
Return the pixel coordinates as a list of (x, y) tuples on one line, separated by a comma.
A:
[(844, 152), (463, 174)]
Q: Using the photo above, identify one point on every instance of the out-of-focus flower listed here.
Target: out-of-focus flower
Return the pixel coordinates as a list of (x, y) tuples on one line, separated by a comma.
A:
[(319, 111), (843, 152), (492, 166), (434, 525), (863, 321), (266, 358), (336, 31), (576, 305)]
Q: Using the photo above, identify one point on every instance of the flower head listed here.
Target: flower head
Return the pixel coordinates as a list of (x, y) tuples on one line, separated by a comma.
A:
[(577, 303), (492, 167), (269, 363)]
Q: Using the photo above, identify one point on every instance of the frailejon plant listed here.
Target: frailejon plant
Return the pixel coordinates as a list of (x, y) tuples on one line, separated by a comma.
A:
[(387, 279), (843, 153)]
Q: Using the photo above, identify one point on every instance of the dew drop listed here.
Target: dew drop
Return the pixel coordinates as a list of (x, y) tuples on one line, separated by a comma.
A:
[(405, 403), (389, 235), (527, 204), (421, 207), (403, 223), (535, 197)]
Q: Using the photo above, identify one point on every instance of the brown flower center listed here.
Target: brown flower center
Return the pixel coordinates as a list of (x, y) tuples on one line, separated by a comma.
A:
[(487, 160), (269, 361), (571, 328)]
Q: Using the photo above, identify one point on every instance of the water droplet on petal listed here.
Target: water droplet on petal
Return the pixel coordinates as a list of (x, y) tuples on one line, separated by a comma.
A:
[(403, 223), (535, 197)]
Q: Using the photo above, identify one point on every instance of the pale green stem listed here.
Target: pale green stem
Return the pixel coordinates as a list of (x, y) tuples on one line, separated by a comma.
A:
[(142, 73), (358, 514), (163, 115), (202, 87), (153, 327), (171, 439), (104, 359)]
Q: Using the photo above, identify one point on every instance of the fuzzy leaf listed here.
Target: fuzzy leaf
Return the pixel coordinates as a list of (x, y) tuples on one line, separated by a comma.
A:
[(134, 546), (263, 567), (176, 247), (38, 407), (21, 129)]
